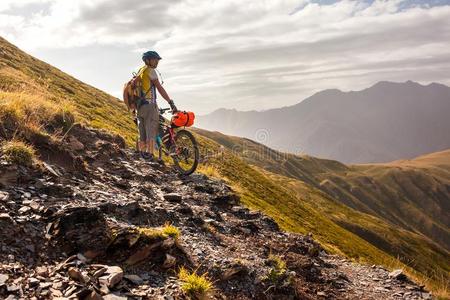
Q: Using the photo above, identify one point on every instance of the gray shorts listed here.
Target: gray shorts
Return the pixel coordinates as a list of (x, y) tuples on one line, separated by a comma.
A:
[(148, 119)]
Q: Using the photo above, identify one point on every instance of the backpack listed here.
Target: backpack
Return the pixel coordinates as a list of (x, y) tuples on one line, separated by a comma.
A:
[(183, 118), (132, 90)]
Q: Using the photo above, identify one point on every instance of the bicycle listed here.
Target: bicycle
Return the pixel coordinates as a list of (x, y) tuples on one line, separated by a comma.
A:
[(178, 144)]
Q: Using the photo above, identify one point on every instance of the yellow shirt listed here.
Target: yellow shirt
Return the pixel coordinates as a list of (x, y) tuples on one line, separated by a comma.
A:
[(148, 74)]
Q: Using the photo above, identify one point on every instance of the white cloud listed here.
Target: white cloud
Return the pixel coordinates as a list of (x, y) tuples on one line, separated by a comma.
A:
[(254, 54)]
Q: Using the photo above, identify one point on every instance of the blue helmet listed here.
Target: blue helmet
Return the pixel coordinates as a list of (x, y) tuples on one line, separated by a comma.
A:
[(150, 55)]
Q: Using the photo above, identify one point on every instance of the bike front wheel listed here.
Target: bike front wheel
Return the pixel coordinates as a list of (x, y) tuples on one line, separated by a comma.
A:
[(185, 152)]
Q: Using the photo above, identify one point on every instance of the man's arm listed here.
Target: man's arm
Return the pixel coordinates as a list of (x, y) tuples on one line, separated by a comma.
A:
[(164, 94), (161, 90)]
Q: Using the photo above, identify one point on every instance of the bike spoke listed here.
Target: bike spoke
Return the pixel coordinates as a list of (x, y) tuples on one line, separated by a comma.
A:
[(185, 153)]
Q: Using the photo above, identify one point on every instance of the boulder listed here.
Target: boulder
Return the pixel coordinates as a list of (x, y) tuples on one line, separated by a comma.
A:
[(113, 276), (173, 197), (169, 261), (80, 230), (76, 274), (3, 279)]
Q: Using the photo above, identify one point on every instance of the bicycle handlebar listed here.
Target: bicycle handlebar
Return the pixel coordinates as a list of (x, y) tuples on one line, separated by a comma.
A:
[(163, 110)]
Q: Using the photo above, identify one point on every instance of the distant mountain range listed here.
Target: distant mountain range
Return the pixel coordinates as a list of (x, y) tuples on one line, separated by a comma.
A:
[(385, 122)]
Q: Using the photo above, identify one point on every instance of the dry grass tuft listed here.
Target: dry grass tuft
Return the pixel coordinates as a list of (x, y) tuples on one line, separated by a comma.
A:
[(195, 286), (22, 112), (18, 152)]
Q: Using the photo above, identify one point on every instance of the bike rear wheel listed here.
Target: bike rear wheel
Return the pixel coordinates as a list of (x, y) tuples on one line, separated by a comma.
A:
[(185, 152)]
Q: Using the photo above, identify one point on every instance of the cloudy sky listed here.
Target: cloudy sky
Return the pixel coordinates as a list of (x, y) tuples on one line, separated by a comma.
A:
[(237, 54)]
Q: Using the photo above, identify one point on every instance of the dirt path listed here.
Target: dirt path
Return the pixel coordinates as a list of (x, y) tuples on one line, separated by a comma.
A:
[(374, 282)]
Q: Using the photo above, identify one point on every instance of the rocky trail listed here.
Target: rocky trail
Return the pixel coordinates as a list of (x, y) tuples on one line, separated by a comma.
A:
[(93, 221)]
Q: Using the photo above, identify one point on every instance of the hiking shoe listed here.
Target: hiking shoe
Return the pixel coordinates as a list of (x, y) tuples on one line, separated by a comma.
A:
[(147, 156), (150, 157)]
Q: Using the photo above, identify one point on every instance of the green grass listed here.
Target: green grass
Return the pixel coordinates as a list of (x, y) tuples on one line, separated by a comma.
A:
[(278, 268), (150, 233), (18, 152), (163, 232), (194, 285), (171, 231)]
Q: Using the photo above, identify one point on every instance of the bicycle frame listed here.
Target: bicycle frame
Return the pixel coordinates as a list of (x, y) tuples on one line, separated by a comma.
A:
[(167, 143), (168, 137)]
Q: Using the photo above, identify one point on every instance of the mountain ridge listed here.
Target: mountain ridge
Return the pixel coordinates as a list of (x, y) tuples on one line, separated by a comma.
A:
[(382, 82), (385, 122)]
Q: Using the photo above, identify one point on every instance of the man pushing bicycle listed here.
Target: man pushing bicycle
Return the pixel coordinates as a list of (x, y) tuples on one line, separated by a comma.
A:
[(172, 138), (147, 108)]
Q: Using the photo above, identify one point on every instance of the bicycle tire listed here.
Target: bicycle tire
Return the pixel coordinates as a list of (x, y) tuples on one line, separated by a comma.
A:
[(184, 133)]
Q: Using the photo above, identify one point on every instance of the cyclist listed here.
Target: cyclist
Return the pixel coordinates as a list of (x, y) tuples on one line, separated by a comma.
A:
[(147, 109)]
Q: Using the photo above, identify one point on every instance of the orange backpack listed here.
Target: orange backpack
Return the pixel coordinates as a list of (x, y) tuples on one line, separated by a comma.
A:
[(130, 93), (183, 119), (132, 90)]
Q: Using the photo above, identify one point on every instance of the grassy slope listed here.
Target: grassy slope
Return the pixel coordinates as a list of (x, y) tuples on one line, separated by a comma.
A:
[(304, 178), (411, 248), (412, 194), (259, 191), (23, 77), (22, 73)]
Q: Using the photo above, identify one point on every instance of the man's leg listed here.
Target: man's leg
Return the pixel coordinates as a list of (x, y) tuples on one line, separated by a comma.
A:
[(142, 146), (152, 128), (142, 135), (155, 125), (151, 146), (149, 136)]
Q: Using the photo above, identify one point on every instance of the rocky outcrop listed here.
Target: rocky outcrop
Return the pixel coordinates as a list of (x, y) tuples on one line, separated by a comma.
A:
[(115, 227)]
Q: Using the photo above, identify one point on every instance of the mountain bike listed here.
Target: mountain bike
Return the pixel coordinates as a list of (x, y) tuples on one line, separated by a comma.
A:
[(178, 144)]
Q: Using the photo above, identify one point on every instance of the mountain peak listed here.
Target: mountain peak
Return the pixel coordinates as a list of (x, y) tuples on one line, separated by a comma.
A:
[(329, 92), (438, 85), (390, 84)]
